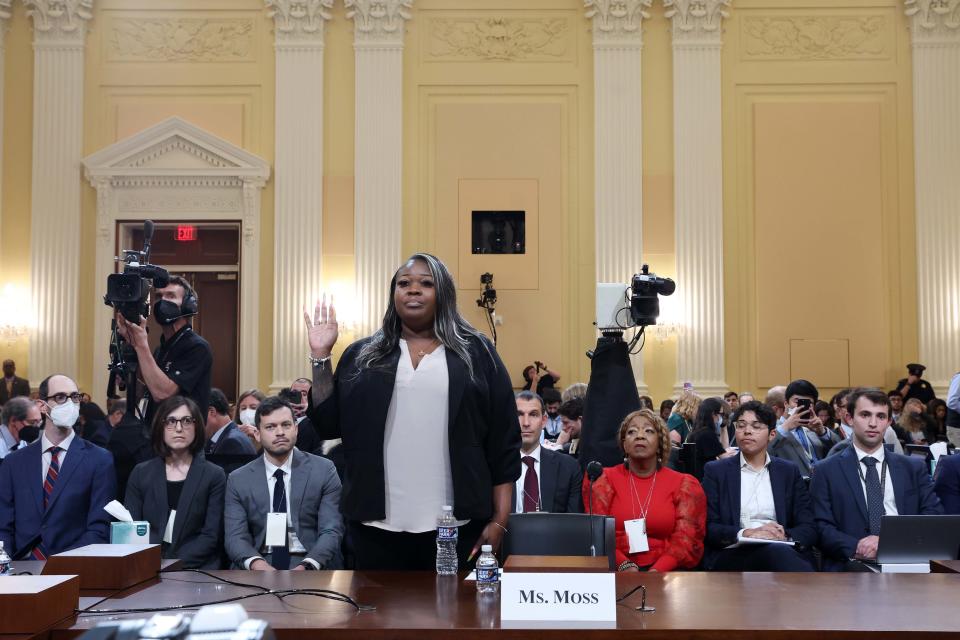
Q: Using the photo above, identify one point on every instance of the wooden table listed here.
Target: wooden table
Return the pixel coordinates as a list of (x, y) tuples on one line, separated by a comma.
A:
[(419, 606)]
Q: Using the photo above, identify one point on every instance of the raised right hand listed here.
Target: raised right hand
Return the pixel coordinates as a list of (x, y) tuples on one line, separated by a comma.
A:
[(322, 330)]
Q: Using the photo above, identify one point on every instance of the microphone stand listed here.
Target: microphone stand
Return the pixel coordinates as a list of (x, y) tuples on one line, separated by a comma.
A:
[(593, 546)]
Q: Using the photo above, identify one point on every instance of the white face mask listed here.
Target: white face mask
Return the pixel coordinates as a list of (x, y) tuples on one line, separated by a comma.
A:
[(247, 416), (65, 415)]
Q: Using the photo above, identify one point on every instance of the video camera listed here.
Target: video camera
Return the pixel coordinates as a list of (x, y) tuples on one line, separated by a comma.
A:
[(645, 289), (129, 292)]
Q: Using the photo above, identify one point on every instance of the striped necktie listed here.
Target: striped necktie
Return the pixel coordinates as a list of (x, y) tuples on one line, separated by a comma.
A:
[(39, 553)]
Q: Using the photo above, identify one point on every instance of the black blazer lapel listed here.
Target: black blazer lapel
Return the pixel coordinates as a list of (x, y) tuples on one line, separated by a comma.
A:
[(849, 469), (548, 481), (900, 476), (190, 485), (778, 485), (457, 374), (733, 492), (36, 457)]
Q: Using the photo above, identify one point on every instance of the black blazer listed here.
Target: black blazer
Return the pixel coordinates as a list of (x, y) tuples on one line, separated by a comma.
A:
[(561, 483), (484, 431), (198, 526), (21, 387)]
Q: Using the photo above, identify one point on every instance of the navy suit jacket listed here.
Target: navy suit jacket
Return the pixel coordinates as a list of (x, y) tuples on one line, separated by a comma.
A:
[(74, 517), (840, 509), (561, 483), (947, 485), (721, 484), (233, 442)]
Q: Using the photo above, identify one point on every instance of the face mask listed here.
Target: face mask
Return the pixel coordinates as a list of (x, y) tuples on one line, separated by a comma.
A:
[(29, 434), (247, 416), (65, 415), (719, 422), (166, 312)]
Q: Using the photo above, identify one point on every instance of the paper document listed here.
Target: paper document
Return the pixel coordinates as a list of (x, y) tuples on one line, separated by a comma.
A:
[(743, 540)]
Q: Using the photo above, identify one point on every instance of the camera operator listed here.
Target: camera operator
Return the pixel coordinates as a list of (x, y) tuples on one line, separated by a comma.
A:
[(181, 364)]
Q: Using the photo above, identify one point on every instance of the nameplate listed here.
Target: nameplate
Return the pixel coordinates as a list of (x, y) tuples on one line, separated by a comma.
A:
[(558, 597)]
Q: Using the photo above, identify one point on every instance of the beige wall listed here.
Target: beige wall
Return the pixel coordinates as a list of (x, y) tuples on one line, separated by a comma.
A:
[(498, 111)]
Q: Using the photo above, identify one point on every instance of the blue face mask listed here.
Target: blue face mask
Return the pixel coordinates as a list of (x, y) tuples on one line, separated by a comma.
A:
[(719, 423)]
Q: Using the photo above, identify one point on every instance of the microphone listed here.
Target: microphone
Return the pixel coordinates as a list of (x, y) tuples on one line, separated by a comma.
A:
[(594, 471)]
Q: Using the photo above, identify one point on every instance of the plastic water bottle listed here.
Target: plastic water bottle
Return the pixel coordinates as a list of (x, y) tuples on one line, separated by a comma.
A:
[(4, 562), (447, 561), (488, 571)]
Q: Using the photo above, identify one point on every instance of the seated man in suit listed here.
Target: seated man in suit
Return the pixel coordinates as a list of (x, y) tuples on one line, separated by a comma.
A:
[(549, 481), (294, 496), (20, 425), (756, 496), (12, 386), (52, 493), (571, 415), (947, 484), (223, 436), (852, 490), (801, 437)]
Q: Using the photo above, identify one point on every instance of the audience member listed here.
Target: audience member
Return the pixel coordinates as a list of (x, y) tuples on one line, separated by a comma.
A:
[(914, 386), (284, 480), (299, 395), (916, 425), (222, 435), (680, 423), (732, 399), (937, 410), (179, 493), (896, 402), (129, 443), (52, 492), (801, 438), (549, 481), (93, 424), (551, 398), (776, 399), (953, 411), (181, 364), (660, 514), (753, 495), (646, 402), (535, 380), (852, 490), (947, 484), (571, 414), (839, 404), (246, 409), (117, 409), (21, 422), (708, 436), (746, 397), (825, 412), (427, 414), (12, 386), (576, 390), (666, 408)]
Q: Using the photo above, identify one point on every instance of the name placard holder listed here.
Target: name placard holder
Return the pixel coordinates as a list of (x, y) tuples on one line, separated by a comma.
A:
[(558, 598)]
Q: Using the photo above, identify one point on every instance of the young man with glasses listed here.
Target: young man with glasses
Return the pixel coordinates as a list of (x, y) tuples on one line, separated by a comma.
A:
[(52, 492), (758, 502), (283, 509)]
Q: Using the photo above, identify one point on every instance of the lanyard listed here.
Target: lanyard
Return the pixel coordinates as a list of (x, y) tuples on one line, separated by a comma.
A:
[(642, 509)]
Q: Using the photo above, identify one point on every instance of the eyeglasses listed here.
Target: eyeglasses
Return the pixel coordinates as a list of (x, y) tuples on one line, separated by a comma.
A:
[(751, 426), (32, 423), (186, 422), (60, 398)]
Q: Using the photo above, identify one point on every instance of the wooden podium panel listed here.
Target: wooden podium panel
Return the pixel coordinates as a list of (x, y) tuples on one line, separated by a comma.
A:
[(107, 566), (29, 604), (556, 564)]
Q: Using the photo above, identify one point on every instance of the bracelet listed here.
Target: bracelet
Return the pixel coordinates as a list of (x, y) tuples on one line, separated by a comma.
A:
[(499, 525), (627, 564), (318, 362)]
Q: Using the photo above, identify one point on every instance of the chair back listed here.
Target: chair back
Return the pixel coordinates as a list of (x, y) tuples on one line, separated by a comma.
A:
[(560, 534)]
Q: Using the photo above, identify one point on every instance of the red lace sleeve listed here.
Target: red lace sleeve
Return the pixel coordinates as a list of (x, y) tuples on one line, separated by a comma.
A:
[(603, 494), (685, 546)]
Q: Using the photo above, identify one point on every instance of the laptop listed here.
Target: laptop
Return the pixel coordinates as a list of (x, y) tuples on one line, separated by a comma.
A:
[(916, 540)]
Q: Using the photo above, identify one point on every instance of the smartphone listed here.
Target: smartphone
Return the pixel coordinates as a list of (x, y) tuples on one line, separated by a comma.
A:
[(805, 404)]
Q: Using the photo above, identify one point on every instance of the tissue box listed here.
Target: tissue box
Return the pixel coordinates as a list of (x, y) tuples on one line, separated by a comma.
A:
[(136, 532)]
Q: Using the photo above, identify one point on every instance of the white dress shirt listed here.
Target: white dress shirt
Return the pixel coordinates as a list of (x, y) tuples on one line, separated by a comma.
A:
[(756, 495), (535, 454), (216, 437), (7, 441), (889, 499), (47, 457)]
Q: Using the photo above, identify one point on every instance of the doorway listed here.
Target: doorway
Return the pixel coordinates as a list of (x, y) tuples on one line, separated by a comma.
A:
[(207, 255)]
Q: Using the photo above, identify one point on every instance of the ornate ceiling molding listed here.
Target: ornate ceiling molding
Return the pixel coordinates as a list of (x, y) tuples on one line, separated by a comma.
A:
[(697, 18), (60, 21), (934, 15), (300, 20), (617, 20), (379, 21)]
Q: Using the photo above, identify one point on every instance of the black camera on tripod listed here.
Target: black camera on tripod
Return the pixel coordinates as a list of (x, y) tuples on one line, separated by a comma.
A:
[(645, 291), (129, 292)]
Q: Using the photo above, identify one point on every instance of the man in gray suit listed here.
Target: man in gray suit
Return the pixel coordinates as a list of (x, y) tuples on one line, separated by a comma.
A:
[(801, 437), (283, 509)]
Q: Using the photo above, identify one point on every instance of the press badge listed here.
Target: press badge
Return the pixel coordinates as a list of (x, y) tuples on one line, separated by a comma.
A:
[(276, 530), (168, 531), (637, 535)]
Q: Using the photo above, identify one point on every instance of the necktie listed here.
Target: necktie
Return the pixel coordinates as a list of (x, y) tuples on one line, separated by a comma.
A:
[(805, 443), (280, 556), (874, 495), (48, 483), (531, 486)]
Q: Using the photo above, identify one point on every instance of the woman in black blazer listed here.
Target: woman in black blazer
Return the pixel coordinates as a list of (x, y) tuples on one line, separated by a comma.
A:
[(180, 480), (401, 409)]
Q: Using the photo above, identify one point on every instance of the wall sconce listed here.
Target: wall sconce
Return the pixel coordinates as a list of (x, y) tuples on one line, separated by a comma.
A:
[(16, 318), (345, 302), (668, 324)]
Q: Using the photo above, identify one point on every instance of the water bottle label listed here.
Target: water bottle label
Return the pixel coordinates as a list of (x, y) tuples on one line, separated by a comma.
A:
[(446, 533), (487, 575)]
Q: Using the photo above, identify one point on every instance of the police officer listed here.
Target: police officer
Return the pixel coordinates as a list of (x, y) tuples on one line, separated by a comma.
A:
[(181, 364), (913, 387)]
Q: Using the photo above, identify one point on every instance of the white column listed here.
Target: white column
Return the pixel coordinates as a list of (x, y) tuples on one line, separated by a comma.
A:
[(936, 104), (298, 179), (59, 30), (618, 150), (5, 13), (378, 169), (698, 192)]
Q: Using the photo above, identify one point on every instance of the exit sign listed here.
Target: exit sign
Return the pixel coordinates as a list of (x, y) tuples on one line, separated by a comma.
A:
[(186, 233)]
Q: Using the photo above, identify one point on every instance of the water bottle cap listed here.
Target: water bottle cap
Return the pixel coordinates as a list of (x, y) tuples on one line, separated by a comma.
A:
[(486, 548), (446, 508)]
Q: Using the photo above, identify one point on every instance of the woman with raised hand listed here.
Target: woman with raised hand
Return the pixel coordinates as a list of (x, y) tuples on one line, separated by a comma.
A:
[(427, 415)]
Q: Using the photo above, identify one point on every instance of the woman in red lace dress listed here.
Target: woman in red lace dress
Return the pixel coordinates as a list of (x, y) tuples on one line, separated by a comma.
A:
[(660, 513)]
